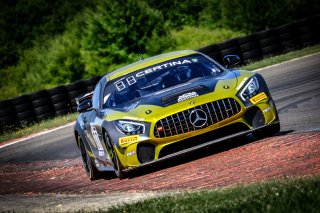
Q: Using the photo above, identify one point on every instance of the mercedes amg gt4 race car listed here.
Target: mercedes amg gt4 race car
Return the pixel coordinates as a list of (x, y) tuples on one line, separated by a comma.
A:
[(167, 105)]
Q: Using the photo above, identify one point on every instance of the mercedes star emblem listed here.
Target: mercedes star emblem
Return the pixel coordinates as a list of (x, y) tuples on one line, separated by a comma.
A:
[(198, 118)]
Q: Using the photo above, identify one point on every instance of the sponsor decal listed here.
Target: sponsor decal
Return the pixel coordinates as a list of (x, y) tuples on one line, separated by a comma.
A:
[(266, 110), (120, 85), (96, 137), (101, 153), (97, 163), (125, 141), (103, 163), (258, 98), (187, 96), (131, 153)]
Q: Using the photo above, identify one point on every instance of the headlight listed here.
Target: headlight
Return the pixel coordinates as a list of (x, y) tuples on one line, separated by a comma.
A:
[(250, 89), (130, 128)]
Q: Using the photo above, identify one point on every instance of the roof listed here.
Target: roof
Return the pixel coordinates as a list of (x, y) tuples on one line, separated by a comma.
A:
[(148, 62)]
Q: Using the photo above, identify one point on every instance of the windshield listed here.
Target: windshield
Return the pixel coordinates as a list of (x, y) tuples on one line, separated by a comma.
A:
[(152, 79)]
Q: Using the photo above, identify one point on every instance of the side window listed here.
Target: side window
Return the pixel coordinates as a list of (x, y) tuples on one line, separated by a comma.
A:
[(96, 96)]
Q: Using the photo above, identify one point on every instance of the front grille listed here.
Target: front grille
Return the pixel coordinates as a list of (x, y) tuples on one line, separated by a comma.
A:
[(180, 123)]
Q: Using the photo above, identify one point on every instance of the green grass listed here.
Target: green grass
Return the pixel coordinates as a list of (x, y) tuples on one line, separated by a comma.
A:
[(298, 195), (69, 118), (38, 127), (281, 58)]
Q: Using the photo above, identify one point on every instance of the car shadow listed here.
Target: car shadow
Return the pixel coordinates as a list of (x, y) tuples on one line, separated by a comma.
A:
[(283, 133), (107, 175)]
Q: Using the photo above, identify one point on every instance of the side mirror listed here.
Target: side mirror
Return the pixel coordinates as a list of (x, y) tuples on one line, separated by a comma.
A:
[(84, 106), (231, 60)]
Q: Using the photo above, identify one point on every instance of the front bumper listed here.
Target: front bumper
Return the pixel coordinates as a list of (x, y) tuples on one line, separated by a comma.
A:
[(203, 145)]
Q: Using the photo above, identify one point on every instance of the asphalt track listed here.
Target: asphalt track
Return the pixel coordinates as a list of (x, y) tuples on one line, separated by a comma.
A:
[(294, 85)]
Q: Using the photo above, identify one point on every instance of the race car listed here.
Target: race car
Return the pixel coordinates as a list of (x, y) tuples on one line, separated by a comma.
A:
[(164, 106)]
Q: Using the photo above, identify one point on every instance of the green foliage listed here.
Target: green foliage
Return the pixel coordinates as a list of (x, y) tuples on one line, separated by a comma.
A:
[(63, 59), (180, 13), (211, 16), (24, 21), (196, 37), (116, 30), (301, 195), (49, 63), (252, 15), (9, 87)]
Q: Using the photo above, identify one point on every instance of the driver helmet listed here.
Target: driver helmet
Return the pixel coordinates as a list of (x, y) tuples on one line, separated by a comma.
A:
[(183, 73)]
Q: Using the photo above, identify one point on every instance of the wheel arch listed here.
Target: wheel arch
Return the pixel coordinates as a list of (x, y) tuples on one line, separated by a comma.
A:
[(76, 135), (104, 129)]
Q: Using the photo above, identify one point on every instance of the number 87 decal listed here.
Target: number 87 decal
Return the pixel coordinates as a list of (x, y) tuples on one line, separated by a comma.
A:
[(120, 85)]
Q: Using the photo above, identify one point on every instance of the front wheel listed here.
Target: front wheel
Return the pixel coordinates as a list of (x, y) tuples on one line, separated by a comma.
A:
[(88, 165), (114, 157)]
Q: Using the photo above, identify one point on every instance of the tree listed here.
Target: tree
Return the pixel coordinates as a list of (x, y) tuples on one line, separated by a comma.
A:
[(117, 31)]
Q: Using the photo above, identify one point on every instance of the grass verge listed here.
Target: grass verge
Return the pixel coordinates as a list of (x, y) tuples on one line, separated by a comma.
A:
[(58, 121), (281, 58), (38, 127), (290, 195)]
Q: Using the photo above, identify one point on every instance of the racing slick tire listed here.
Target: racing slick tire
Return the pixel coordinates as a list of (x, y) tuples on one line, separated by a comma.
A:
[(114, 157), (88, 165)]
